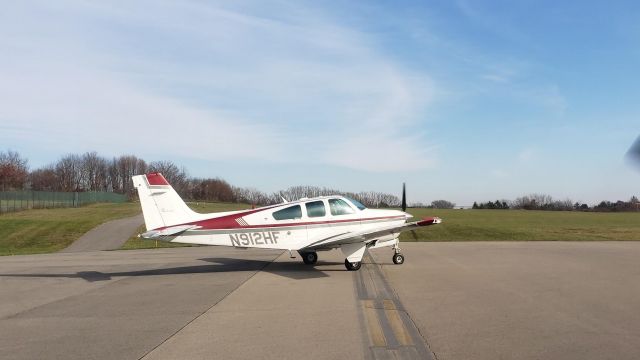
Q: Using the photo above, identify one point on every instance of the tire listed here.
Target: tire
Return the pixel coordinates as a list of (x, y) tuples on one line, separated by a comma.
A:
[(352, 266), (398, 259), (310, 258)]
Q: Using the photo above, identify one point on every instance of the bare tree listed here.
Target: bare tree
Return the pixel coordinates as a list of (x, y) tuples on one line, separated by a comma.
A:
[(211, 190), (94, 172), (542, 202), (127, 166), (14, 171), (113, 177), (69, 173), (442, 204), (44, 179), (253, 196)]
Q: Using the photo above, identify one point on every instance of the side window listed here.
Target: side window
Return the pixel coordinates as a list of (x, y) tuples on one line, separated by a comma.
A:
[(340, 207), (292, 212), (315, 209)]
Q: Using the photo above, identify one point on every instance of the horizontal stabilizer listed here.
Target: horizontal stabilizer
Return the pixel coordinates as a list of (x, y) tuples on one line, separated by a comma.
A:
[(170, 231)]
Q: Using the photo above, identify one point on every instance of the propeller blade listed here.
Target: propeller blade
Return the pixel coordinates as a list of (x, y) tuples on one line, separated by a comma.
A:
[(404, 197), (633, 154)]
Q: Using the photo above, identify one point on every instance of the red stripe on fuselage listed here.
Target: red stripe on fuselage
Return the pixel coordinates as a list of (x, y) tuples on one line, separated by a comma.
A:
[(223, 222), (228, 222)]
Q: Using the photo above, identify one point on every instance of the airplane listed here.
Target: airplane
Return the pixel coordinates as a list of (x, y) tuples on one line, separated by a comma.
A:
[(307, 225)]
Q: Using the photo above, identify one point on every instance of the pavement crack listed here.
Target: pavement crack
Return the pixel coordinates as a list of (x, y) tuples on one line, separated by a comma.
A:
[(424, 338)]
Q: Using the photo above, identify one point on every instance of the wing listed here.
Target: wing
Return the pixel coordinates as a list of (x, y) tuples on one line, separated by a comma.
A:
[(369, 235)]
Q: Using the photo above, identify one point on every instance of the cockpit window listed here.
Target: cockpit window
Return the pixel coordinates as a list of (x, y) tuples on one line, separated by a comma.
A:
[(340, 207), (315, 209), (292, 212), (357, 203)]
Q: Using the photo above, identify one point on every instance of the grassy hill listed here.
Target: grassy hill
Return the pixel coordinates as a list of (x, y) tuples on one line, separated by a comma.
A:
[(50, 230)]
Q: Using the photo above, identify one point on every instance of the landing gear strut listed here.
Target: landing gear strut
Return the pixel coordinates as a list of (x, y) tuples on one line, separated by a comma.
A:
[(309, 258), (352, 266), (398, 258)]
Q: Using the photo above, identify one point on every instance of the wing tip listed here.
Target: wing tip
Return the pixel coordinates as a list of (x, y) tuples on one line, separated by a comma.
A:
[(429, 221)]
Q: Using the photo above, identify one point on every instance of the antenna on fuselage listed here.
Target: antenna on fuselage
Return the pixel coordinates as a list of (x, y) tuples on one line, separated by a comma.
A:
[(284, 200)]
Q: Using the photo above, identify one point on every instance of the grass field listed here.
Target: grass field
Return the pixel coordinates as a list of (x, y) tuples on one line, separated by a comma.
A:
[(487, 225), (523, 225), (50, 230)]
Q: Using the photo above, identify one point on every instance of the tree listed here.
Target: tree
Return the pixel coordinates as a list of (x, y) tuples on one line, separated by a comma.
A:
[(68, 173), (122, 169), (94, 172), (253, 196), (44, 179), (442, 204), (211, 190), (14, 171)]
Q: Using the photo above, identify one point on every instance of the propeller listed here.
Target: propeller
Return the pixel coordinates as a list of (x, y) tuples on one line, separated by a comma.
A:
[(404, 208), (404, 197), (633, 154)]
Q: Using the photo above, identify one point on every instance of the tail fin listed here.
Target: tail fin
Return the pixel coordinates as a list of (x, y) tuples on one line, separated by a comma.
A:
[(161, 204)]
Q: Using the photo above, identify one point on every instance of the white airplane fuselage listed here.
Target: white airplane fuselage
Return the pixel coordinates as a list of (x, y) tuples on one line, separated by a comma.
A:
[(305, 225), (257, 228)]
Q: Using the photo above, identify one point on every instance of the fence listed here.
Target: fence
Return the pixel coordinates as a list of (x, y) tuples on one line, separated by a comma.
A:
[(23, 200)]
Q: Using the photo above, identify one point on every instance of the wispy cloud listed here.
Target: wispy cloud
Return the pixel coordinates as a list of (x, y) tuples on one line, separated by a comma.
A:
[(526, 155), (199, 80), (499, 173)]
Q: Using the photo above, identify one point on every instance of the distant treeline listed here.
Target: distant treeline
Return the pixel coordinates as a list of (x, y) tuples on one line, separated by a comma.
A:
[(546, 202), (92, 172), (436, 204)]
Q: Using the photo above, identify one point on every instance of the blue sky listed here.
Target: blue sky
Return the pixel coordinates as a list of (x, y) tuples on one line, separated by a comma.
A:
[(463, 100)]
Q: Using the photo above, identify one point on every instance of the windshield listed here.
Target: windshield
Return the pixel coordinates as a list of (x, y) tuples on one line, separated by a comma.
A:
[(357, 203)]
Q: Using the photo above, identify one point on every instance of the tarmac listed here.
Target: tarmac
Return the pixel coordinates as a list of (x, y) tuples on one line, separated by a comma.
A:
[(469, 300)]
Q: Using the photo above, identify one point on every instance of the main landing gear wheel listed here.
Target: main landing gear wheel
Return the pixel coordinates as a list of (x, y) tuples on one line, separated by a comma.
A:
[(352, 266), (310, 258), (398, 259)]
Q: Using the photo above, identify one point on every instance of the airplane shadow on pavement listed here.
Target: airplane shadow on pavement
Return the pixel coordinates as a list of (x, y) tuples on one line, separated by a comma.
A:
[(293, 270)]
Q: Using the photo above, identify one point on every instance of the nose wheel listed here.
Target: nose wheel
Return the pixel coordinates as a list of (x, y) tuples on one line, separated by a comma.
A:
[(398, 259)]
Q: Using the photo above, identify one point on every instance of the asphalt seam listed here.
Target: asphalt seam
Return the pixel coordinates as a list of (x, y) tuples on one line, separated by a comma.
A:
[(212, 306), (383, 290), (361, 293), (404, 310)]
